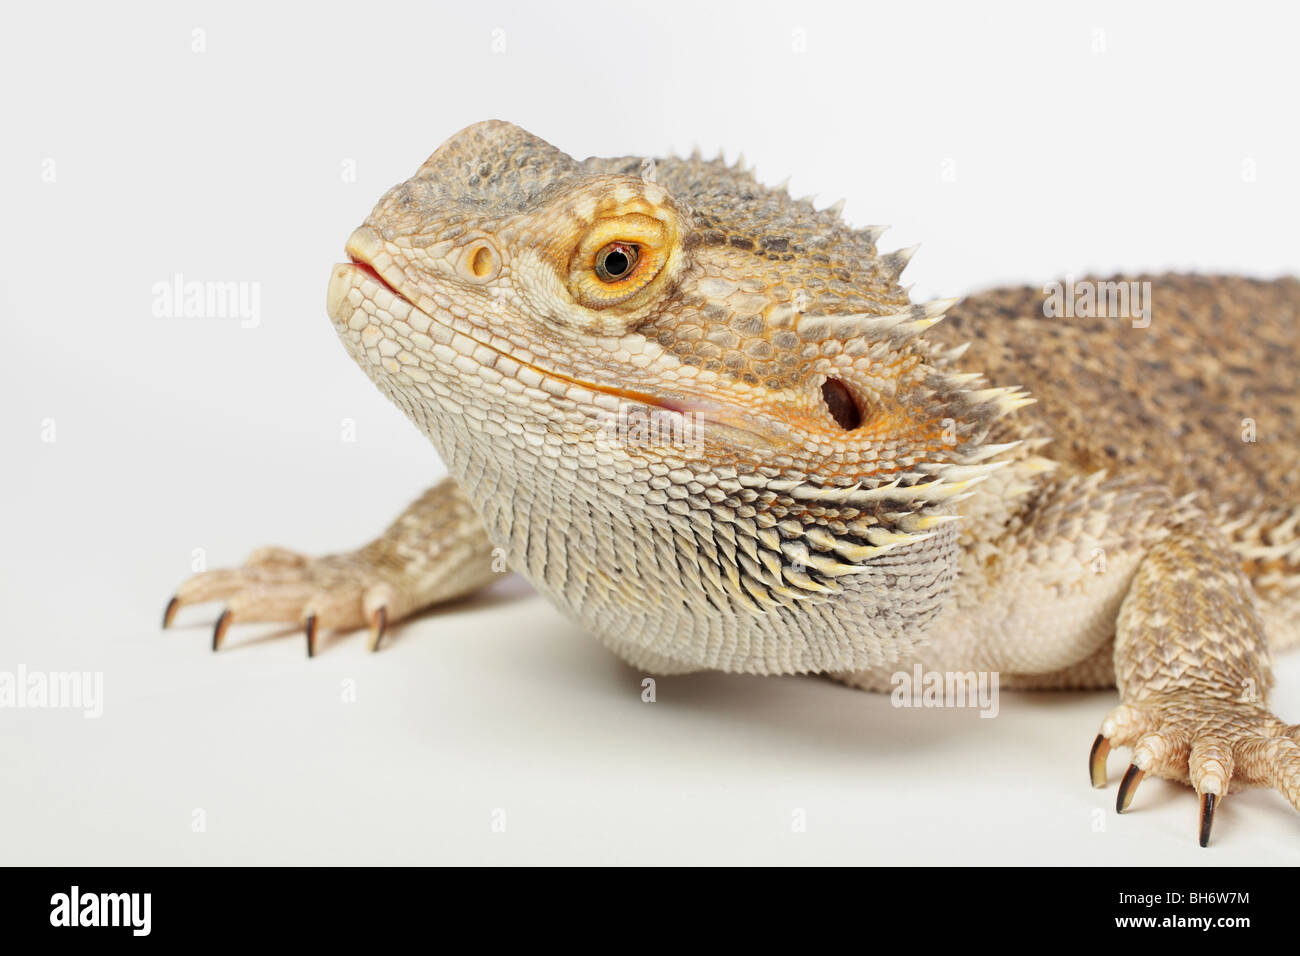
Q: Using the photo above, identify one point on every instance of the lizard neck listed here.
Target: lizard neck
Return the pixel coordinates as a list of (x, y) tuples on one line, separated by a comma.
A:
[(668, 578)]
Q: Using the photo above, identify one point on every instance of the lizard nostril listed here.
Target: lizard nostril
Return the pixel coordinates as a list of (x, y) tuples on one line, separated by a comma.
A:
[(481, 263), (839, 402), (478, 262)]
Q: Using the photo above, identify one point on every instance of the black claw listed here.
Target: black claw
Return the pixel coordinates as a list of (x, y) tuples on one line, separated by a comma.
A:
[(378, 623), (170, 613), (219, 632), (1097, 761), (1127, 787), (311, 635), (1207, 817)]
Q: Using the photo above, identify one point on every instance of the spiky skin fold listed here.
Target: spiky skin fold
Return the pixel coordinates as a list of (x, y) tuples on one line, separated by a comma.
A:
[(1061, 500)]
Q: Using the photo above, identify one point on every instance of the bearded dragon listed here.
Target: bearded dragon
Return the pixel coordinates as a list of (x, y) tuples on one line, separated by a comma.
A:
[(707, 422)]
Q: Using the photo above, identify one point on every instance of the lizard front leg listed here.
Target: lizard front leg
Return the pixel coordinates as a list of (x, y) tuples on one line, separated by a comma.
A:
[(1192, 668), (435, 551)]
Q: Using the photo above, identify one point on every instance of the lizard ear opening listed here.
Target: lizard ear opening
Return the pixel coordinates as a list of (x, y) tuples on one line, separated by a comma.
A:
[(841, 405)]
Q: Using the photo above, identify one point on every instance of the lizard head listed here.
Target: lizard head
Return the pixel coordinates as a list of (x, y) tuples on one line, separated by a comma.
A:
[(515, 301)]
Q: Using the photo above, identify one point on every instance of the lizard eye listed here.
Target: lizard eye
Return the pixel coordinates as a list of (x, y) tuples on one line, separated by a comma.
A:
[(615, 261), (618, 259)]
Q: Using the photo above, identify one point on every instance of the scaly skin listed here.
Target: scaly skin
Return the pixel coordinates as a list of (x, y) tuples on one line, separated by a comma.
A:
[(706, 421)]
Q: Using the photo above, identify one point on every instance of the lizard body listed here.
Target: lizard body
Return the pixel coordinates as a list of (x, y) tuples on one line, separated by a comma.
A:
[(706, 421)]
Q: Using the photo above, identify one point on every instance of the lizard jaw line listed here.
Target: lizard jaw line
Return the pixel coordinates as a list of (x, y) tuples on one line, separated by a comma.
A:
[(711, 413)]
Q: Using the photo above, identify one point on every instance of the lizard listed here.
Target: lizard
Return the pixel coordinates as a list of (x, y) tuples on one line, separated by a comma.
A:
[(706, 421)]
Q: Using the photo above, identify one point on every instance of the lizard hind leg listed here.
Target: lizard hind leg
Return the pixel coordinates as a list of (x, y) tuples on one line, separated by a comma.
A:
[(436, 550), (1192, 668)]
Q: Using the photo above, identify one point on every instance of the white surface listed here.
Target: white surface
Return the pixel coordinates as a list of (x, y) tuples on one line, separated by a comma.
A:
[(177, 434)]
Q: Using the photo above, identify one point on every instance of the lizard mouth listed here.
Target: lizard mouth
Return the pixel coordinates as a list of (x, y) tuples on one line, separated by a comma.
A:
[(369, 271)]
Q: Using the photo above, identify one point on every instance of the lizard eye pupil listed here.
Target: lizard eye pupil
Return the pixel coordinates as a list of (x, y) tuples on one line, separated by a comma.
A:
[(615, 261)]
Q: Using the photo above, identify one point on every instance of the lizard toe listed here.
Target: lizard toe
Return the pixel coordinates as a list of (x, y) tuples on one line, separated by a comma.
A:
[(272, 555)]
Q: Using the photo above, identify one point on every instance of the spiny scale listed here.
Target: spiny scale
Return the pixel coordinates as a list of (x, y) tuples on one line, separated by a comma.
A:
[(895, 262), (846, 328)]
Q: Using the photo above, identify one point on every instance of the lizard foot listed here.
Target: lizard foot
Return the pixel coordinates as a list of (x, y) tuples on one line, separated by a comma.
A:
[(342, 591), (1214, 745)]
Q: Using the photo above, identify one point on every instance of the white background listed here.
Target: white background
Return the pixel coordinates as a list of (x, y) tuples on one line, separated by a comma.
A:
[(1020, 142)]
